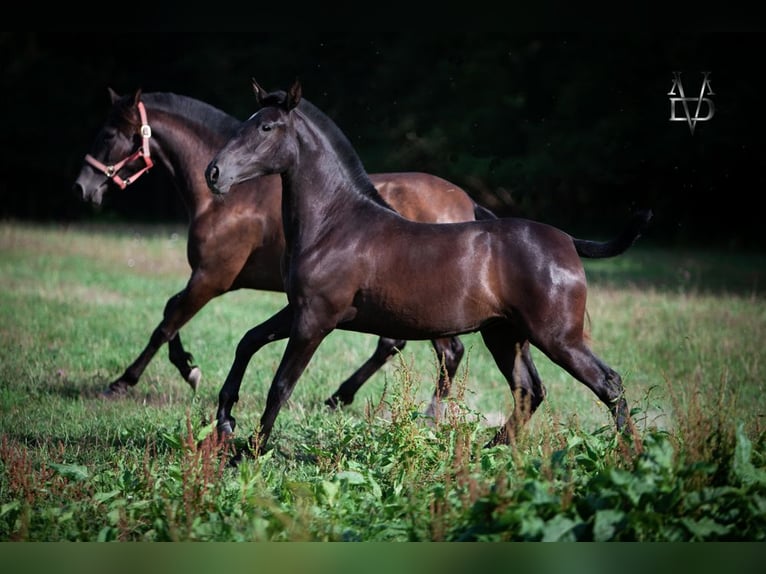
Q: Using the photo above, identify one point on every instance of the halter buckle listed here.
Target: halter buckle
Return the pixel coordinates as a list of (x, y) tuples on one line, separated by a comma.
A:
[(146, 131)]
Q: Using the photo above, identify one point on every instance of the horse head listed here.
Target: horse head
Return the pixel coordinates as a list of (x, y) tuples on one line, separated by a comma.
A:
[(263, 144), (120, 152)]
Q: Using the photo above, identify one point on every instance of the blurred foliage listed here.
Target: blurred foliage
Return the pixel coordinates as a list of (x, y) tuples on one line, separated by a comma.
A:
[(569, 125)]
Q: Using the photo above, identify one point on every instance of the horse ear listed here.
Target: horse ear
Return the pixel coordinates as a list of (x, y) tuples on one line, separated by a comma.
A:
[(113, 96), (260, 93), (137, 97), (294, 95)]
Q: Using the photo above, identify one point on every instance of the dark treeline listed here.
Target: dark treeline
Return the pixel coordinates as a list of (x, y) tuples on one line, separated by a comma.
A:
[(565, 126)]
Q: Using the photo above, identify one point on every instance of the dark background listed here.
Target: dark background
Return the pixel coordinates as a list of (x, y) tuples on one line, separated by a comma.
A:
[(566, 122)]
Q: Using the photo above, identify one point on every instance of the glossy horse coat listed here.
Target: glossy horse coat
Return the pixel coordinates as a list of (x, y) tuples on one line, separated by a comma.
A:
[(356, 264), (237, 242)]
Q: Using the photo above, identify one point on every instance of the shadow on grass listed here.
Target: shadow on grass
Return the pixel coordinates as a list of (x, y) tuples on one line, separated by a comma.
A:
[(146, 394)]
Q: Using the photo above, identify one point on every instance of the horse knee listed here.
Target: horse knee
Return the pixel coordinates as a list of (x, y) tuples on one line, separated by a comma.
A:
[(160, 336), (539, 392), (457, 350), (526, 402), (525, 377), (529, 391), (449, 354), (531, 398), (456, 355)]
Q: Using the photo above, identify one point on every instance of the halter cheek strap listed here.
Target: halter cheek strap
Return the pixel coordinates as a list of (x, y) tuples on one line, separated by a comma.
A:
[(112, 171)]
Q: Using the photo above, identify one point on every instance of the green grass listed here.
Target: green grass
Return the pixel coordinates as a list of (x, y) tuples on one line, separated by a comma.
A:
[(78, 303)]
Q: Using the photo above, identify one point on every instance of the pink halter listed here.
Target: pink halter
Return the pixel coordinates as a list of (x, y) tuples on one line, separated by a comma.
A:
[(111, 171)]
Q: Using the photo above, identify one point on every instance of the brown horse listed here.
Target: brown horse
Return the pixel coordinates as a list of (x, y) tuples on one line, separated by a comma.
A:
[(356, 264), (236, 243)]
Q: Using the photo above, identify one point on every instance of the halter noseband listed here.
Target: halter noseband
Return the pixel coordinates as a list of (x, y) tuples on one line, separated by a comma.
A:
[(111, 171)]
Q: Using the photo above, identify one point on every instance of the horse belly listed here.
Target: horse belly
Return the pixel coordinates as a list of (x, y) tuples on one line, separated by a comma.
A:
[(416, 319)]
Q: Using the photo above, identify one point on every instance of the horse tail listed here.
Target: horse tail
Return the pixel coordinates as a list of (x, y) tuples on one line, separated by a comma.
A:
[(480, 212), (599, 249)]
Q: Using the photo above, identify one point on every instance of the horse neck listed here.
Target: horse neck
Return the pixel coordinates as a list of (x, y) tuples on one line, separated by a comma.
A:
[(309, 208), (184, 147)]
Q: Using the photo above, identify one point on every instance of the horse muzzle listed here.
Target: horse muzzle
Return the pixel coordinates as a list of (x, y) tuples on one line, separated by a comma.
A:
[(213, 179), (93, 194)]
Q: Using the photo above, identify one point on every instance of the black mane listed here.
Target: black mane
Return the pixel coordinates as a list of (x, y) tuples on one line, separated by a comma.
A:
[(346, 152), (203, 113)]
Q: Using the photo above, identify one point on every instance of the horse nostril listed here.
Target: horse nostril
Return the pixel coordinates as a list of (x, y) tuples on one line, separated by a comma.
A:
[(212, 174), (78, 191)]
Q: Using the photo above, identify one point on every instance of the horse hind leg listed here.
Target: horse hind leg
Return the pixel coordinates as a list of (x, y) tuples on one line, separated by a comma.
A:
[(345, 393), (580, 362), (449, 351), (184, 362), (179, 309), (513, 357), (159, 336)]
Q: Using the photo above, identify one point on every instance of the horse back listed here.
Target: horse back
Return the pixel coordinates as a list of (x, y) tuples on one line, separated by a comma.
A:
[(424, 197)]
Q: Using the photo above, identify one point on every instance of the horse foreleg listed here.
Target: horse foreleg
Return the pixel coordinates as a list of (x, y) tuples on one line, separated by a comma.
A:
[(449, 352), (275, 328), (296, 357), (345, 393)]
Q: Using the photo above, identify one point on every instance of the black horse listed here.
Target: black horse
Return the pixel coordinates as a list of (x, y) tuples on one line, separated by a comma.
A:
[(354, 263)]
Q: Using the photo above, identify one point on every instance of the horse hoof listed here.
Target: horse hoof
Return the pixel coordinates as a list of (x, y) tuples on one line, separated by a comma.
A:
[(194, 377), (332, 402), (241, 454), (235, 460), (226, 429), (335, 402)]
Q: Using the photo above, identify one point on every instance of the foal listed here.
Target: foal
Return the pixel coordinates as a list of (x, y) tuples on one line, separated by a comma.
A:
[(356, 264)]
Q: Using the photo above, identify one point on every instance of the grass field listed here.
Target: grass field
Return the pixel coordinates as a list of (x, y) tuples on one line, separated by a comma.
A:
[(685, 329)]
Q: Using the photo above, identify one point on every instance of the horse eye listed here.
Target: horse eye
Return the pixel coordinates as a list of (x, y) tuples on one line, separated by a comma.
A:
[(266, 127)]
